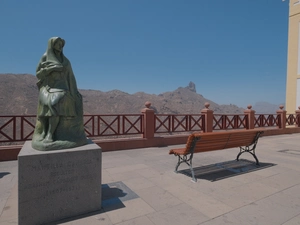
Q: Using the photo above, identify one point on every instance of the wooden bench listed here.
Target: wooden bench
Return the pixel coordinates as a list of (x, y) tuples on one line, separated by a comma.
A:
[(246, 140)]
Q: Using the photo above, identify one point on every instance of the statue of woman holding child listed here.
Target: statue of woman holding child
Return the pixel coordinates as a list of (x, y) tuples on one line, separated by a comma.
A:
[(59, 122)]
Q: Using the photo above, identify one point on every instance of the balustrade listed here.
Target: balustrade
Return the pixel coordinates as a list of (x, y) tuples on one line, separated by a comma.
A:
[(17, 128), (178, 123)]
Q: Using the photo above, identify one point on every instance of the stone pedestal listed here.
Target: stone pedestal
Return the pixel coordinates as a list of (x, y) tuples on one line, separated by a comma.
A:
[(54, 185)]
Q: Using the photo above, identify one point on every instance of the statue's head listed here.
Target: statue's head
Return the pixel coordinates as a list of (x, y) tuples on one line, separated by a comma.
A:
[(56, 43)]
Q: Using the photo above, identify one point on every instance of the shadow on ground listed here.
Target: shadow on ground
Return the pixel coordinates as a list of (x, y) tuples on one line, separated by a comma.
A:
[(3, 174), (223, 170), (113, 196)]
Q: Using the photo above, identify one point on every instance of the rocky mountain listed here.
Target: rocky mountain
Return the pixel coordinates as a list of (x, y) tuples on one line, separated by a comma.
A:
[(266, 108), (19, 94)]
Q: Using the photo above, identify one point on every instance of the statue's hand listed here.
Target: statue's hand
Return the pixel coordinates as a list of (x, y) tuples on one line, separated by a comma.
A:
[(52, 68)]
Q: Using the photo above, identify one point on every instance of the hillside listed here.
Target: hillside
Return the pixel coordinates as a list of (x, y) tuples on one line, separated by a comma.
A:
[(265, 108), (18, 96)]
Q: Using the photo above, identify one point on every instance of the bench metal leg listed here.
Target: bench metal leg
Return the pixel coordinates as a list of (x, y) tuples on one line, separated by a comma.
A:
[(251, 151), (188, 160), (192, 171), (178, 163)]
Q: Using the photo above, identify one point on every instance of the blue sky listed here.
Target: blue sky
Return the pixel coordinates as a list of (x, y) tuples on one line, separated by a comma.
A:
[(235, 51)]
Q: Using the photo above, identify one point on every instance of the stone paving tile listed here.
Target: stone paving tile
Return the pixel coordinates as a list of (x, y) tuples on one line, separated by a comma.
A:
[(244, 194), (164, 181), (112, 163), (208, 187), (205, 204), (8, 179), (2, 204), (138, 183), (293, 221), (282, 180), (178, 215), (149, 172), (285, 160), (144, 220), (294, 191), (86, 220), (122, 169), (125, 175), (106, 177), (158, 198), (181, 178), (267, 196), (116, 193), (160, 167), (9, 222), (219, 186), (268, 172), (147, 153), (113, 159), (133, 208), (228, 219), (249, 177), (9, 212), (263, 211)]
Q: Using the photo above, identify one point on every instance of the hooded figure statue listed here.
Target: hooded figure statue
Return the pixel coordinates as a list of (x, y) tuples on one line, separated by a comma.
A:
[(60, 112)]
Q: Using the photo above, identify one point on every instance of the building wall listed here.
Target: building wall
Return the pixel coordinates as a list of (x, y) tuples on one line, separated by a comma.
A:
[(293, 62)]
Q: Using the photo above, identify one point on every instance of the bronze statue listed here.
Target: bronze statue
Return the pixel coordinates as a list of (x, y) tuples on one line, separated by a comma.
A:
[(60, 112)]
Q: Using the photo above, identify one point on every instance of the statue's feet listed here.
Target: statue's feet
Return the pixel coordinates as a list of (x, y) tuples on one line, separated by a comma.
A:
[(48, 139)]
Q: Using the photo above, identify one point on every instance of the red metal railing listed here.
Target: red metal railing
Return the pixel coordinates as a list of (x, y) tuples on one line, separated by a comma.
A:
[(20, 128), (224, 122), (165, 123), (267, 120), (292, 119), (113, 125), (16, 128)]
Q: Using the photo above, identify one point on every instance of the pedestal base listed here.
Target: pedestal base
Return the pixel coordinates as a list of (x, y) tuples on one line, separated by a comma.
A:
[(54, 185)]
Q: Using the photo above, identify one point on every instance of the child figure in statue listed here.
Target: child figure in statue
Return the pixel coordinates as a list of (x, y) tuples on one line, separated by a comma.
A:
[(60, 111)]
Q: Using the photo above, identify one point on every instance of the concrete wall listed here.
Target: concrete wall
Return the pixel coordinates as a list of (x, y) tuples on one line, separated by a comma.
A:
[(293, 61)]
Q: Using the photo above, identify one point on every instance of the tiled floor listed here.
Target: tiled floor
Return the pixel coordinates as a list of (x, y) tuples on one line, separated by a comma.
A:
[(139, 187)]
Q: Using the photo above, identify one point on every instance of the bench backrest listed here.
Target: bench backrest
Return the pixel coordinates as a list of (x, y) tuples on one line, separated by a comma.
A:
[(220, 140)]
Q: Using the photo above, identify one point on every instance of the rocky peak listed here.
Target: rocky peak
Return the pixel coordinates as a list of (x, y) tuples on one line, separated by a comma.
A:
[(191, 87)]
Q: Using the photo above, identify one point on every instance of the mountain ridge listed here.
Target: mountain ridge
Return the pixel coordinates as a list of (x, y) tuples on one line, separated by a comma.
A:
[(184, 100)]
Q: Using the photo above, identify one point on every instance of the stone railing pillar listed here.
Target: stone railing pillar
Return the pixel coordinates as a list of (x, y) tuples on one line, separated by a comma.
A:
[(297, 112), (148, 122), (282, 113), (208, 118), (251, 117)]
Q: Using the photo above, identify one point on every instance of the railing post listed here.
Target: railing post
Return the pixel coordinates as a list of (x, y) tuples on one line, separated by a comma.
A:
[(297, 117), (148, 122), (208, 118), (282, 113), (251, 117)]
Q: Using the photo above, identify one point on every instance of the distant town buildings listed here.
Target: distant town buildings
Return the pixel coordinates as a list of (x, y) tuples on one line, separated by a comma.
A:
[(293, 62)]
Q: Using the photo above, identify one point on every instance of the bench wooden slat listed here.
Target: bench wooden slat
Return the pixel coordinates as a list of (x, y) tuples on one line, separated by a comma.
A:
[(217, 141), (203, 142)]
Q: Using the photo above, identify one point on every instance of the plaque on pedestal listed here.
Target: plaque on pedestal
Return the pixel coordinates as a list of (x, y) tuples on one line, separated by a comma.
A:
[(54, 185)]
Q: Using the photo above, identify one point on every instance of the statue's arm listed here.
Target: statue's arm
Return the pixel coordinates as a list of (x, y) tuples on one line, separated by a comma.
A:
[(72, 82), (41, 72)]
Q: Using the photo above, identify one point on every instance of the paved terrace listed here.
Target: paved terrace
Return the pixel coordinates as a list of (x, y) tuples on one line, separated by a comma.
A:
[(140, 187)]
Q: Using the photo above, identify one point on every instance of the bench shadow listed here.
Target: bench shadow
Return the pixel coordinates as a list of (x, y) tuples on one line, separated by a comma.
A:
[(223, 170)]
